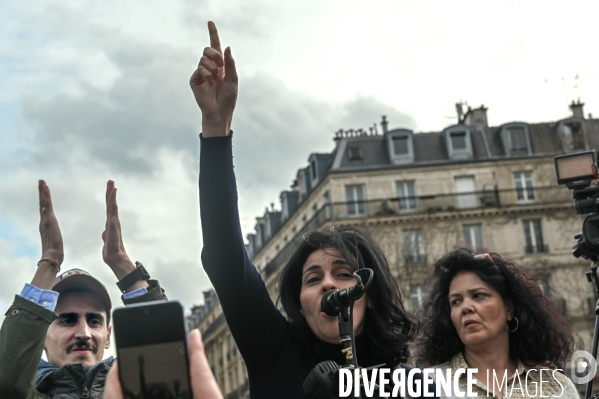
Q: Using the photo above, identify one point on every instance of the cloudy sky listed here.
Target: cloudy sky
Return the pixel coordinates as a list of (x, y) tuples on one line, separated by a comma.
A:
[(91, 91)]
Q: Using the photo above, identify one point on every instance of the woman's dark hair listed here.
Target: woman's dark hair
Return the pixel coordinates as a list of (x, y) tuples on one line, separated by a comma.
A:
[(542, 336), (388, 327)]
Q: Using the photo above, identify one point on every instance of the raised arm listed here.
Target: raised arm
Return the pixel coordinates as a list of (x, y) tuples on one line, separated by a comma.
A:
[(115, 255), (24, 329), (250, 313), (52, 247)]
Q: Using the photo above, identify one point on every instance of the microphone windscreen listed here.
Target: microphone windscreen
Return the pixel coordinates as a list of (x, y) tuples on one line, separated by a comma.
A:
[(323, 381), (328, 304)]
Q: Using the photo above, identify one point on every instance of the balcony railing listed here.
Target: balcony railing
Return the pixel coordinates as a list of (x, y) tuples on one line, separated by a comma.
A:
[(346, 211)]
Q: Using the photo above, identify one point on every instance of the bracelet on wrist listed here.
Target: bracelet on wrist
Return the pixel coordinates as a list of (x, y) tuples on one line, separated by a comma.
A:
[(53, 263)]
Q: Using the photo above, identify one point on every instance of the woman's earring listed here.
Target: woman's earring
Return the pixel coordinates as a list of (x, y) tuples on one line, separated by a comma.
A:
[(508, 327)]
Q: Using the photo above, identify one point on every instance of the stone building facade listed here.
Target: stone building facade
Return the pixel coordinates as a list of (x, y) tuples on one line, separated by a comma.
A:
[(422, 194)]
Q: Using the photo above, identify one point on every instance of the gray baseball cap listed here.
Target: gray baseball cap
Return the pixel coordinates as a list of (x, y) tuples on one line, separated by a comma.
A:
[(75, 278)]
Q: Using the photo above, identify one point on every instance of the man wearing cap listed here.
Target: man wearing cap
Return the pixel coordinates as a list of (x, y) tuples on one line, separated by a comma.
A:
[(67, 315)]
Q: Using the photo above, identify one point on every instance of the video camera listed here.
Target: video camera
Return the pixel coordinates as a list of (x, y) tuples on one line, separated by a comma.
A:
[(577, 171)]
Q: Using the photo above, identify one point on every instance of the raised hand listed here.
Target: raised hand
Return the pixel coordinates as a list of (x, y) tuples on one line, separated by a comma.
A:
[(214, 85), (52, 247), (113, 252)]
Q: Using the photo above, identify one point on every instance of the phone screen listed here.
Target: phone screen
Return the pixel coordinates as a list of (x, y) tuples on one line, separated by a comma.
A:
[(152, 351)]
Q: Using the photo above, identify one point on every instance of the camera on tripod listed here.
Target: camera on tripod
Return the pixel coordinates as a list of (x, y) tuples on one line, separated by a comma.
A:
[(577, 171)]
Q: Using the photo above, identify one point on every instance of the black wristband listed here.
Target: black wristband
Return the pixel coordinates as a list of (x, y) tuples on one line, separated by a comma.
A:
[(140, 273)]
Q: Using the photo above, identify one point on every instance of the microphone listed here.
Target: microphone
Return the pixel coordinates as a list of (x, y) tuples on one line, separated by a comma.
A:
[(333, 301), (323, 381)]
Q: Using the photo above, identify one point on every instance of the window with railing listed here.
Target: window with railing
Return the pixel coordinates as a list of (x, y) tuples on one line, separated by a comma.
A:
[(525, 191), (406, 194), (355, 200), (533, 237), (338, 212), (413, 247), (466, 189)]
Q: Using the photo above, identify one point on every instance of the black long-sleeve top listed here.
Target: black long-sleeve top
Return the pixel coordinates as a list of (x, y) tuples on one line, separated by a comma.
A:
[(277, 364)]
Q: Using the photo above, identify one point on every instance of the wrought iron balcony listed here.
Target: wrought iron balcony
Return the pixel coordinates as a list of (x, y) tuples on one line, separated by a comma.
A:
[(428, 204), (448, 202)]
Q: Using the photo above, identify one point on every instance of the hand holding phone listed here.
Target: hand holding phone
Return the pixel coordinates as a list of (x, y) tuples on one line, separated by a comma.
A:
[(203, 384), (151, 345)]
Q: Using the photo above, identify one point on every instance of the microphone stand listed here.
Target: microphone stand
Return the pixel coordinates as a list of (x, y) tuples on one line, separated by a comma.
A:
[(346, 333)]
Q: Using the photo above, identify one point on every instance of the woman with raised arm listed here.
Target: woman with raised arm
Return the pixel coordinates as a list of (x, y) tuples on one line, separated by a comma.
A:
[(486, 313), (280, 351)]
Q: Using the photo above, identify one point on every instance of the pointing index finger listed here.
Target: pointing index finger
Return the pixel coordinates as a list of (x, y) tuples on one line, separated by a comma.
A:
[(214, 39), (45, 197)]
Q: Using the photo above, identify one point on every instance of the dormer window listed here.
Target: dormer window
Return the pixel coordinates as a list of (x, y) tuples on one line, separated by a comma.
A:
[(515, 139), (268, 227), (354, 153), (317, 168), (303, 177), (400, 145), (288, 204), (259, 237), (458, 142)]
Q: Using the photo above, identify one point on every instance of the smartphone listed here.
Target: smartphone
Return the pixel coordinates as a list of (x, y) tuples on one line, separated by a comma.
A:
[(151, 347)]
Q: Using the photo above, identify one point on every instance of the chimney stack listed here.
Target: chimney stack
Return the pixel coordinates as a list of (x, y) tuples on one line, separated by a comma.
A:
[(577, 109), (207, 295), (384, 124), (476, 117), (338, 136), (459, 110)]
